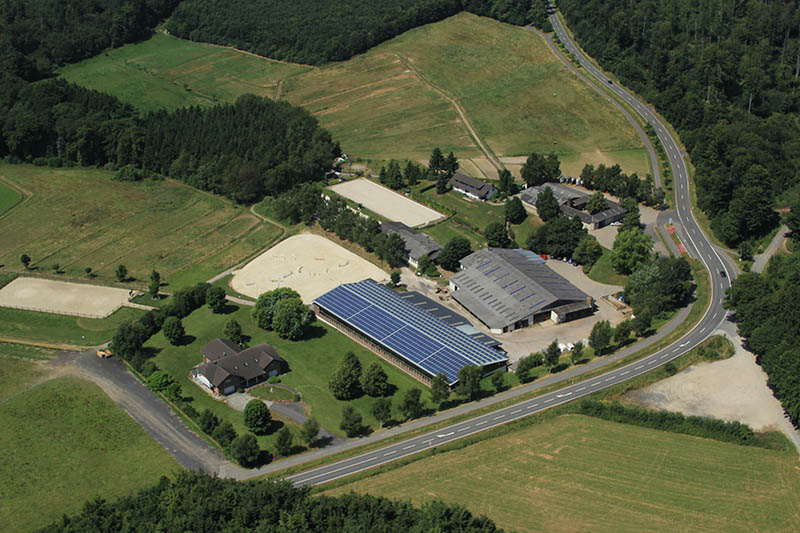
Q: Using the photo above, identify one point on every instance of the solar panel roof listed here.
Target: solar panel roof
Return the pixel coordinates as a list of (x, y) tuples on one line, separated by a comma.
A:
[(411, 332)]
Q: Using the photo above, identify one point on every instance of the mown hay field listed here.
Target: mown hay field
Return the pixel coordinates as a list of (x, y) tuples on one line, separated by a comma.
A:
[(575, 473), (78, 218)]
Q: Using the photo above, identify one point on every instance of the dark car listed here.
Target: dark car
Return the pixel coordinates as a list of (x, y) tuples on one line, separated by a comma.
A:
[(723, 274)]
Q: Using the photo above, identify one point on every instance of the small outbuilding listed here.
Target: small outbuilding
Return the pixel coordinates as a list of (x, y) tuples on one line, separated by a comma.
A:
[(572, 203), (227, 367), (418, 244)]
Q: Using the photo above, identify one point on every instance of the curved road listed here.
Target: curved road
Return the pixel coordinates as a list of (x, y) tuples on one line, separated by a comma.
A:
[(698, 246)]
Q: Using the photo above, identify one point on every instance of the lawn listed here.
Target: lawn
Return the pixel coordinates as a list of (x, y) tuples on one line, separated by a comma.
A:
[(62, 329), (394, 100), (603, 272), (443, 231), (167, 73), (65, 442), (80, 218), (8, 349), (472, 213), (311, 363), (574, 473), (8, 198)]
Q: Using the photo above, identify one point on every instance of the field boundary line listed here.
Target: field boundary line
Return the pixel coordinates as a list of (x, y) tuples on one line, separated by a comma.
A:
[(51, 345), (25, 194), (486, 151)]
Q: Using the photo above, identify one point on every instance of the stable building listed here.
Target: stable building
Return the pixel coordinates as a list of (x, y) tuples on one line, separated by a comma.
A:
[(227, 367), (474, 188), (403, 333), (573, 204), (511, 289), (418, 244)]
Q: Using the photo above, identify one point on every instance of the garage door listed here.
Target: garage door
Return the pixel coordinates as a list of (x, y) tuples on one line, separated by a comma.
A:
[(228, 390)]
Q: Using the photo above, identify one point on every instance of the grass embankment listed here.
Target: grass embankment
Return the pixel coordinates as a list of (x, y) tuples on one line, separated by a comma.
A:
[(311, 363), (80, 218), (648, 479), (8, 198), (65, 442), (62, 329), (392, 101)]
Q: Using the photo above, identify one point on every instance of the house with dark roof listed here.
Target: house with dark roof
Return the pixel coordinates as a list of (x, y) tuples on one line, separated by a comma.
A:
[(417, 244), (226, 367), (511, 289), (474, 188), (572, 203)]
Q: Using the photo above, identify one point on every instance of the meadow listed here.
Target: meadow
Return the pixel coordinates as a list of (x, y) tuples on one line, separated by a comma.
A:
[(79, 218), (398, 100), (8, 198), (573, 473), (64, 442), (311, 363), (62, 329)]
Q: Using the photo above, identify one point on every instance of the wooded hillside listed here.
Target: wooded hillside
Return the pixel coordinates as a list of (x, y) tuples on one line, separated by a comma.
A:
[(726, 75), (318, 31)]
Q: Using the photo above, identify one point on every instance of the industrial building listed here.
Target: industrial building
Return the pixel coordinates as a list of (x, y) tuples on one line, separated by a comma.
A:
[(573, 204), (403, 333), (511, 289)]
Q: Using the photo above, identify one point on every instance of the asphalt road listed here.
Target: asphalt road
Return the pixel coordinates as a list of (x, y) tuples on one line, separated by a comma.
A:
[(698, 246)]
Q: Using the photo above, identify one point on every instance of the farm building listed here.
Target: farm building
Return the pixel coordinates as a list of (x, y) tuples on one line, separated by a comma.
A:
[(418, 244), (511, 289), (474, 188), (226, 367), (403, 333), (573, 204)]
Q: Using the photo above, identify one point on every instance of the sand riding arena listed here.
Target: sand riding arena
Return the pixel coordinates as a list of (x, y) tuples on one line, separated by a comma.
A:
[(63, 298)]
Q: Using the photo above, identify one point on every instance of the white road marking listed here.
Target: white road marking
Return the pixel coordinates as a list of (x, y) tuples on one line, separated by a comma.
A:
[(548, 400), (390, 453), (564, 395), (409, 447), (582, 388), (499, 417), (443, 435), (515, 412), (609, 379), (482, 422), (462, 429), (625, 373)]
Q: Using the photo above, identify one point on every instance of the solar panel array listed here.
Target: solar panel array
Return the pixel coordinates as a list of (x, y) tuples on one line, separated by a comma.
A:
[(417, 336)]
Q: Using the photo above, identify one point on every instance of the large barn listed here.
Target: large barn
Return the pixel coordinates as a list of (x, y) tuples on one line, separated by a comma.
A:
[(403, 333), (511, 289)]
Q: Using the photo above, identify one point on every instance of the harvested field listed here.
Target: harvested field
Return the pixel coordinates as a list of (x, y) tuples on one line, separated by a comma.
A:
[(62, 298), (386, 202), (309, 264), (575, 473)]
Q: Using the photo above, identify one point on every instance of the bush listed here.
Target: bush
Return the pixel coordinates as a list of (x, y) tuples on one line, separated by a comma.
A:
[(670, 369)]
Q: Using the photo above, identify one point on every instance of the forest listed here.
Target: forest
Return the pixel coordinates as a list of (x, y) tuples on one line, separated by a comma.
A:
[(726, 75), (197, 502), (317, 31), (769, 318), (243, 150)]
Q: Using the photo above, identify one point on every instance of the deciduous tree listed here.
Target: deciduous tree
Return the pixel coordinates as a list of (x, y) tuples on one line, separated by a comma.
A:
[(515, 211), (631, 249), (497, 235), (382, 410), (245, 451), (551, 354), (155, 284), (233, 331), (469, 381), (546, 205), (224, 434), (284, 441), (257, 417), (345, 384), (264, 309), (291, 318), (600, 337), (310, 431), (412, 405), (440, 390), (453, 252), (216, 298), (122, 273), (375, 382), (352, 423)]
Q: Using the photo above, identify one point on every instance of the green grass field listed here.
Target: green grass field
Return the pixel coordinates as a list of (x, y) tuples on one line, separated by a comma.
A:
[(575, 473), (64, 442), (311, 363), (62, 329), (80, 218), (8, 349), (603, 272), (167, 73), (392, 101), (8, 198)]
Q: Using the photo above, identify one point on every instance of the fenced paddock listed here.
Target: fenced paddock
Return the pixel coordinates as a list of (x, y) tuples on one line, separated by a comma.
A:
[(310, 264), (62, 297), (386, 202)]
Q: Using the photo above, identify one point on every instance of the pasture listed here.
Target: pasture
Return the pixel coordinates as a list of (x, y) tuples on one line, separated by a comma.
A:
[(310, 264), (8, 198), (79, 218), (386, 202), (575, 473), (49, 328), (63, 298), (168, 73), (398, 99), (64, 442)]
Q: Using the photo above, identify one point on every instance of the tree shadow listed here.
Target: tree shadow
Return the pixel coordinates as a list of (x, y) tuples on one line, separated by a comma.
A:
[(229, 308), (264, 458), (186, 340), (558, 368), (391, 389), (582, 361), (322, 442), (313, 331)]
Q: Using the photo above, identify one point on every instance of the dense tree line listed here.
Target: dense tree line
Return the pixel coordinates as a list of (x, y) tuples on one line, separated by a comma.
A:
[(317, 31), (768, 316), (37, 36), (726, 75), (613, 180), (197, 502)]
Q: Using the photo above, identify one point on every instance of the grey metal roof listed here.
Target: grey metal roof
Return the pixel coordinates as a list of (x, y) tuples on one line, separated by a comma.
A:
[(502, 286), (219, 348), (247, 364), (611, 213), (417, 244), (448, 315), (477, 187), (562, 193)]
